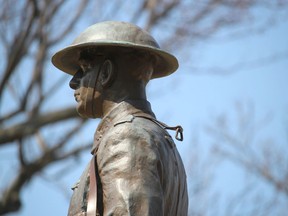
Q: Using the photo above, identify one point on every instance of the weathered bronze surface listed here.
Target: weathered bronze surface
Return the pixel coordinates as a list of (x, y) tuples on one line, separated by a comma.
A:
[(136, 166)]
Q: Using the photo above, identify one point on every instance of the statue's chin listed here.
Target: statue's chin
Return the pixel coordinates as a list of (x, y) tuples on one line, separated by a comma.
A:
[(80, 109), (85, 112)]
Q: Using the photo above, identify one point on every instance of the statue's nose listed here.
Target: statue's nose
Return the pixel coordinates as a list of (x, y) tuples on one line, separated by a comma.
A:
[(75, 81)]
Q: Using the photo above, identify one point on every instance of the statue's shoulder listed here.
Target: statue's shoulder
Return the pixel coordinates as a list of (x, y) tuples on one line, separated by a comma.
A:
[(133, 124), (137, 119), (147, 121), (125, 119)]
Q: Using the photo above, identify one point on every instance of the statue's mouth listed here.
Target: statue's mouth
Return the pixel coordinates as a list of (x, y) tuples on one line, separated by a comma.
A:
[(77, 97)]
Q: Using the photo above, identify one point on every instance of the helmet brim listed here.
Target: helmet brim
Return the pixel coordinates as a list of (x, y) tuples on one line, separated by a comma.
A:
[(67, 58)]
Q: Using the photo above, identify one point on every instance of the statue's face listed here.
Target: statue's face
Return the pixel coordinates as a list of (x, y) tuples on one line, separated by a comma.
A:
[(87, 91)]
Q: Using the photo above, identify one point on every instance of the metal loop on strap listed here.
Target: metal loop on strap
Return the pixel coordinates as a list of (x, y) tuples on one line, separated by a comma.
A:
[(179, 131), (178, 128)]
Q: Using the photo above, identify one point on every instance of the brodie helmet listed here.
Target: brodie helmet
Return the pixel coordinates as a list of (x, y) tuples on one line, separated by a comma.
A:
[(115, 34)]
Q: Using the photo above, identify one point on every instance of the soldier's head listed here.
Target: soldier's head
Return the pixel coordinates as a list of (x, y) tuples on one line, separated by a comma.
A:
[(111, 62)]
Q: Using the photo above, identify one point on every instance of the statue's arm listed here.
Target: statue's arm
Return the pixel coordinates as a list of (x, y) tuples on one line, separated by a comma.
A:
[(130, 172)]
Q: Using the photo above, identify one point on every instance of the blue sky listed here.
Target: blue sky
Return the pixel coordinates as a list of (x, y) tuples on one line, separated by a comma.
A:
[(192, 100)]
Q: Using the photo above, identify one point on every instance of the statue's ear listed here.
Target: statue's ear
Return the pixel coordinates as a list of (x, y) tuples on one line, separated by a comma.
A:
[(107, 74)]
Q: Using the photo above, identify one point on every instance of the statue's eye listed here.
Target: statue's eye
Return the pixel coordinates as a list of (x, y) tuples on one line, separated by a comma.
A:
[(78, 75), (85, 65), (85, 68)]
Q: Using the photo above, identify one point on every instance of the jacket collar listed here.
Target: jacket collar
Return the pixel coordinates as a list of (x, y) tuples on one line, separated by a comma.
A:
[(123, 112)]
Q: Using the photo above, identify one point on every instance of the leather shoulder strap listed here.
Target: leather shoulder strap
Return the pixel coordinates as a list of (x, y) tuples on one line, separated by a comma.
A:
[(92, 196)]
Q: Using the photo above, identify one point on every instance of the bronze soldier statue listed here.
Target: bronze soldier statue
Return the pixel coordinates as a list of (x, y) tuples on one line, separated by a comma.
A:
[(136, 168)]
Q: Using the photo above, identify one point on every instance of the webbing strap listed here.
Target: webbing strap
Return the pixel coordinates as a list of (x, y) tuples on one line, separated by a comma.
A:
[(92, 196), (178, 128)]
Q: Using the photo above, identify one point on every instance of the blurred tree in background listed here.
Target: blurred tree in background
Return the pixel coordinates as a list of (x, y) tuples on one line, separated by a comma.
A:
[(40, 127)]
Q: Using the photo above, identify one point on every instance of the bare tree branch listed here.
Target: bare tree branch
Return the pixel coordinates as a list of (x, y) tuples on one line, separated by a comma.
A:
[(19, 46), (239, 148), (11, 201), (29, 30), (32, 125), (67, 29), (156, 13)]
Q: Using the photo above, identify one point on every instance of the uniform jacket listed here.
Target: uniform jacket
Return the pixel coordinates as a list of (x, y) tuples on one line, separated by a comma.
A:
[(139, 170)]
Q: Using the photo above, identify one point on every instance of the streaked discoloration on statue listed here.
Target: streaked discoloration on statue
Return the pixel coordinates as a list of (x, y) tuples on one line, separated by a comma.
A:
[(136, 168)]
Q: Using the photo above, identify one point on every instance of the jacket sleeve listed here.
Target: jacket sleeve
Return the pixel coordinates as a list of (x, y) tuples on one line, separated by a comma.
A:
[(130, 171)]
